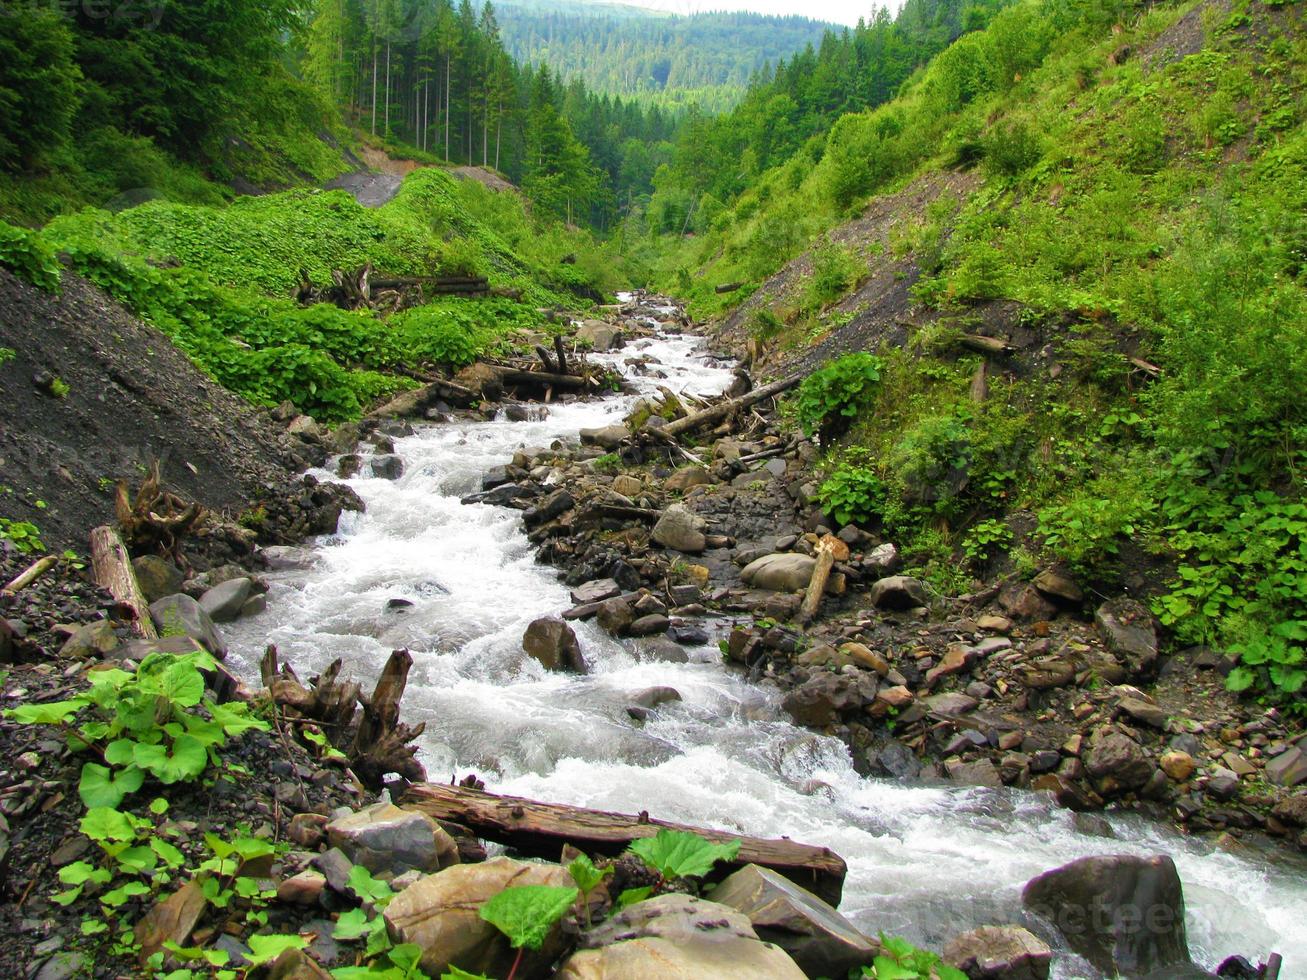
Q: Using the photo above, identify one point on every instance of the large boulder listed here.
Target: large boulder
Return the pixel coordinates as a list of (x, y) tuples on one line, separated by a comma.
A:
[(600, 335), (820, 700), (224, 602), (1289, 768), (609, 437), (180, 615), (385, 839), (1127, 628), (1000, 953), (899, 592), (820, 940), (440, 913), (554, 644), (157, 577), (779, 572), (92, 640), (687, 477), (1122, 913), (680, 530), (676, 937)]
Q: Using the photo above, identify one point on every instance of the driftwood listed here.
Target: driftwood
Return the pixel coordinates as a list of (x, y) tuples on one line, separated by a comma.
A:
[(830, 549), (111, 567), (374, 740), (728, 287), (711, 416), (156, 520), (547, 361), (359, 290), (543, 829), (30, 574), (985, 345), (381, 745), (512, 376), (1152, 370), (561, 351)]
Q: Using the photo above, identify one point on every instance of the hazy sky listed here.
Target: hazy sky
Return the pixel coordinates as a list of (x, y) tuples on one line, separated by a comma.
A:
[(839, 11)]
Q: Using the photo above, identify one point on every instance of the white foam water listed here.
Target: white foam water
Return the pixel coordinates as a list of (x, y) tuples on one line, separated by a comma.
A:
[(925, 862)]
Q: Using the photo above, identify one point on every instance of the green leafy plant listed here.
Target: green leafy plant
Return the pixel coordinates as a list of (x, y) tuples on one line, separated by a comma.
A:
[(7, 354), (59, 388), (984, 538), (156, 721), (587, 878), (526, 914), (852, 494), (679, 854), (903, 961), (30, 257), (831, 397), (23, 535)]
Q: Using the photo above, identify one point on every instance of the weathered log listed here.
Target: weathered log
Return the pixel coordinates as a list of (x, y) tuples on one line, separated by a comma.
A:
[(623, 513), (561, 352), (31, 574), (830, 549), (728, 287), (381, 744), (542, 829), (985, 345), (1151, 370), (542, 379), (111, 566), (765, 454), (721, 410), (547, 361)]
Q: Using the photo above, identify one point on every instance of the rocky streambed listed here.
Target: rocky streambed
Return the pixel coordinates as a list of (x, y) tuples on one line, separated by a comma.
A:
[(445, 561), (598, 615)]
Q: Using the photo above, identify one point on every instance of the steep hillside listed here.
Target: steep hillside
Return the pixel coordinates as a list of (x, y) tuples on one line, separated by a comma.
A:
[(1080, 271)]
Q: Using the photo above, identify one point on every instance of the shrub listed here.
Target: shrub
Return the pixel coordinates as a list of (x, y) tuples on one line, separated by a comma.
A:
[(830, 398), (834, 272), (852, 494), (931, 464), (29, 256), (1013, 148)]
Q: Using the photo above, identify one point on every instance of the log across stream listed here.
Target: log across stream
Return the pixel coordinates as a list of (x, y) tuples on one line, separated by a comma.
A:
[(924, 861)]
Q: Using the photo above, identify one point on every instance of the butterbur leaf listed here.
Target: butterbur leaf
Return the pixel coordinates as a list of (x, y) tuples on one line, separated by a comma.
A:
[(182, 684), (526, 913), (368, 889), (104, 823), (406, 957), (120, 896), (889, 969), (120, 752), (186, 759), (678, 854), (352, 925), (265, 949), (235, 719), (454, 973), (1240, 679), (53, 713), (138, 859), (79, 873), (586, 875), (632, 896)]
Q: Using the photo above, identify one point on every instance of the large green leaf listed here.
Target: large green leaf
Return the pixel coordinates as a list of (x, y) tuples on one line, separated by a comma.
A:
[(99, 787), (51, 713), (104, 823), (586, 875), (526, 913), (186, 759), (265, 949), (678, 854)]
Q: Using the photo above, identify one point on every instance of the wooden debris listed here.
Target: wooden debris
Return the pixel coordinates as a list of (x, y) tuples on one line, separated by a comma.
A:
[(728, 287), (722, 410), (111, 567), (985, 345), (156, 520), (31, 574), (542, 830), (382, 744), (830, 549)]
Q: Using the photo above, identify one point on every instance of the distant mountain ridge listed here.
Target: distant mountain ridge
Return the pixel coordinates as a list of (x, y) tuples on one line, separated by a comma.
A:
[(653, 55)]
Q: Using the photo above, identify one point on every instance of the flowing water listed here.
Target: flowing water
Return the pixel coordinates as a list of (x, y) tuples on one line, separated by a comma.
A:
[(925, 862)]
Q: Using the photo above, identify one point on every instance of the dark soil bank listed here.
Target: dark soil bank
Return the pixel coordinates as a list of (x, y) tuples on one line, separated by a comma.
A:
[(92, 395)]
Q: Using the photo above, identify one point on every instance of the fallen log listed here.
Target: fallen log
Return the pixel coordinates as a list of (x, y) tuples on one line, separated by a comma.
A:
[(31, 574), (111, 567), (985, 345), (710, 416), (547, 361), (543, 829), (542, 378), (830, 549), (728, 287)]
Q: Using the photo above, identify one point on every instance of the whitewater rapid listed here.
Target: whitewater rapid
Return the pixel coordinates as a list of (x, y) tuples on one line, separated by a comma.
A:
[(925, 861)]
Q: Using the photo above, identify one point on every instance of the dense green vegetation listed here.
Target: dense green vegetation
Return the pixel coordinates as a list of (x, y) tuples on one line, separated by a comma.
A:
[(1136, 198), (705, 60)]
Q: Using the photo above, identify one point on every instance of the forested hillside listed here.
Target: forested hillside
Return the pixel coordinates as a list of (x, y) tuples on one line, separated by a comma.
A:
[(705, 60), (1113, 200)]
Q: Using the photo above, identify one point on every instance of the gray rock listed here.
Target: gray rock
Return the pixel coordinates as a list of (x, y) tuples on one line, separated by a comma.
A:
[(387, 840), (1122, 913), (555, 505), (676, 937), (687, 477), (882, 558), (335, 866), (1288, 768), (953, 703), (157, 577), (1144, 712), (615, 615), (180, 615), (650, 625), (1057, 583), (387, 467), (62, 966), (893, 760), (820, 940), (440, 913), (305, 428), (552, 642), (224, 602), (1000, 953), (1127, 628), (786, 572), (92, 640), (254, 605), (899, 592), (609, 437), (595, 591), (652, 697), (821, 699), (982, 772), (1116, 761), (680, 530), (600, 335)]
